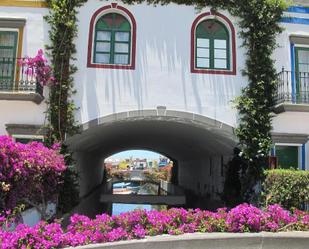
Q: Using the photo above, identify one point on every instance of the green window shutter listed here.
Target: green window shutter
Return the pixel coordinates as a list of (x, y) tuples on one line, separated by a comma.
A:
[(112, 43), (287, 156), (302, 72), (212, 46), (8, 50)]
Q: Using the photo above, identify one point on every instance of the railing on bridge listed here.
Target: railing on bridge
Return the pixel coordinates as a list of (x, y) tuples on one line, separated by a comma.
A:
[(168, 194), (18, 77), (292, 87)]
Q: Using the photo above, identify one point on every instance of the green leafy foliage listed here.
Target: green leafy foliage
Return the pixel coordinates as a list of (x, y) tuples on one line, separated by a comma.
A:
[(289, 188), (117, 174), (155, 175), (260, 27), (61, 108), (63, 29)]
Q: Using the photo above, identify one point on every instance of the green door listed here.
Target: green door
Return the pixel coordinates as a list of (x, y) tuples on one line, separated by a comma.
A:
[(287, 156), (8, 50), (302, 75)]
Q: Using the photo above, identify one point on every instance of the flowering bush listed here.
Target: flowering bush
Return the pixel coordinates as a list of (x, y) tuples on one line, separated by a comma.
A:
[(116, 173), (156, 175), (38, 68), (30, 174), (140, 223)]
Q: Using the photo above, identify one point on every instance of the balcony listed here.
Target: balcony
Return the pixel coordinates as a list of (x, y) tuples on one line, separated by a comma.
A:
[(292, 92), (17, 82)]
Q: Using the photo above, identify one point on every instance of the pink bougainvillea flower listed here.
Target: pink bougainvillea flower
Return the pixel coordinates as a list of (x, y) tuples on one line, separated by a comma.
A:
[(37, 68), (27, 171), (140, 223)]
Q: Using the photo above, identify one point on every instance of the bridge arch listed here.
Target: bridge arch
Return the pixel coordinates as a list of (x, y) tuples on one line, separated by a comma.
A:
[(198, 143)]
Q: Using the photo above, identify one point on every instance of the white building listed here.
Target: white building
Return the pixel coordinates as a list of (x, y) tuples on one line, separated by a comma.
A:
[(22, 32), (159, 78)]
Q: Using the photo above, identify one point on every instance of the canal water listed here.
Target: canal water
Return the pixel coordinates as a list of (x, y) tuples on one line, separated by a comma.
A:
[(134, 189), (119, 208)]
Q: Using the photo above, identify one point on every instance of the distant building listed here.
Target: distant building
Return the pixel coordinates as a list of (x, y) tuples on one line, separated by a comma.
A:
[(124, 164), (164, 161), (140, 163), (112, 162)]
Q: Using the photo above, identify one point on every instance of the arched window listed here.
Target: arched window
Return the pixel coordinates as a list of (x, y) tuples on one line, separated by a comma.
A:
[(213, 45), (112, 42), (112, 38)]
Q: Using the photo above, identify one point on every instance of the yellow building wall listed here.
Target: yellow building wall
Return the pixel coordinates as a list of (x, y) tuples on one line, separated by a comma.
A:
[(24, 3), (123, 165)]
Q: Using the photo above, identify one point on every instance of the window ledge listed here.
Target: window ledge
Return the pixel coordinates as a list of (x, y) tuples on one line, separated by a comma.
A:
[(12, 22), (34, 97), (289, 107), (25, 130), (213, 71), (289, 138), (111, 66)]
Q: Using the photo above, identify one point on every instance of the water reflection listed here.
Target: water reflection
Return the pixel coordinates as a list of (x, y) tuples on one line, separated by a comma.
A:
[(135, 188), (119, 208)]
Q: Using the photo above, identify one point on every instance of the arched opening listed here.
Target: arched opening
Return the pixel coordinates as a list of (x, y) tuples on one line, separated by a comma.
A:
[(139, 173), (213, 44), (198, 146)]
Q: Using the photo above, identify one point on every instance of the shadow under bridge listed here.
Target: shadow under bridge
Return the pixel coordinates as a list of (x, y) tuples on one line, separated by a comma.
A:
[(192, 141)]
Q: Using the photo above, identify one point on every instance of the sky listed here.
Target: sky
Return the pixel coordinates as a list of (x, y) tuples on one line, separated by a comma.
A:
[(136, 154)]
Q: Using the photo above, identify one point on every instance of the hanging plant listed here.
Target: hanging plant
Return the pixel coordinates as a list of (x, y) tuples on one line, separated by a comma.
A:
[(38, 68)]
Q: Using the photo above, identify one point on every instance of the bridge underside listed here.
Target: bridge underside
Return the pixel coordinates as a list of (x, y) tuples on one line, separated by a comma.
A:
[(199, 150), (142, 199)]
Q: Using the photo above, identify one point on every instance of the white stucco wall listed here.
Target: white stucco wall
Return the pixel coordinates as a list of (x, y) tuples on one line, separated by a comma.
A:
[(35, 30), (21, 112), (282, 54), (162, 75), (35, 37), (291, 122)]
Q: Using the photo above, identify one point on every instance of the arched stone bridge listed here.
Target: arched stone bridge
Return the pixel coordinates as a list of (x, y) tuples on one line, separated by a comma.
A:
[(198, 145)]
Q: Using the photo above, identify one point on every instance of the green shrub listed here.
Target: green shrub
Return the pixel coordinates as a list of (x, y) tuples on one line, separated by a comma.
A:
[(289, 188)]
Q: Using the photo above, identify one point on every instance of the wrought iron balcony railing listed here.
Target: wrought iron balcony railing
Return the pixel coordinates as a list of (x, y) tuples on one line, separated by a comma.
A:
[(293, 87), (17, 77)]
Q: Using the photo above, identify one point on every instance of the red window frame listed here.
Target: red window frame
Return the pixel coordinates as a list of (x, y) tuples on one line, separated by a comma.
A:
[(131, 18), (231, 28)]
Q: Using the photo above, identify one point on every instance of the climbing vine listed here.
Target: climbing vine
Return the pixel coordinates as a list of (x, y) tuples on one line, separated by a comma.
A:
[(63, 29), (259, 25)]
